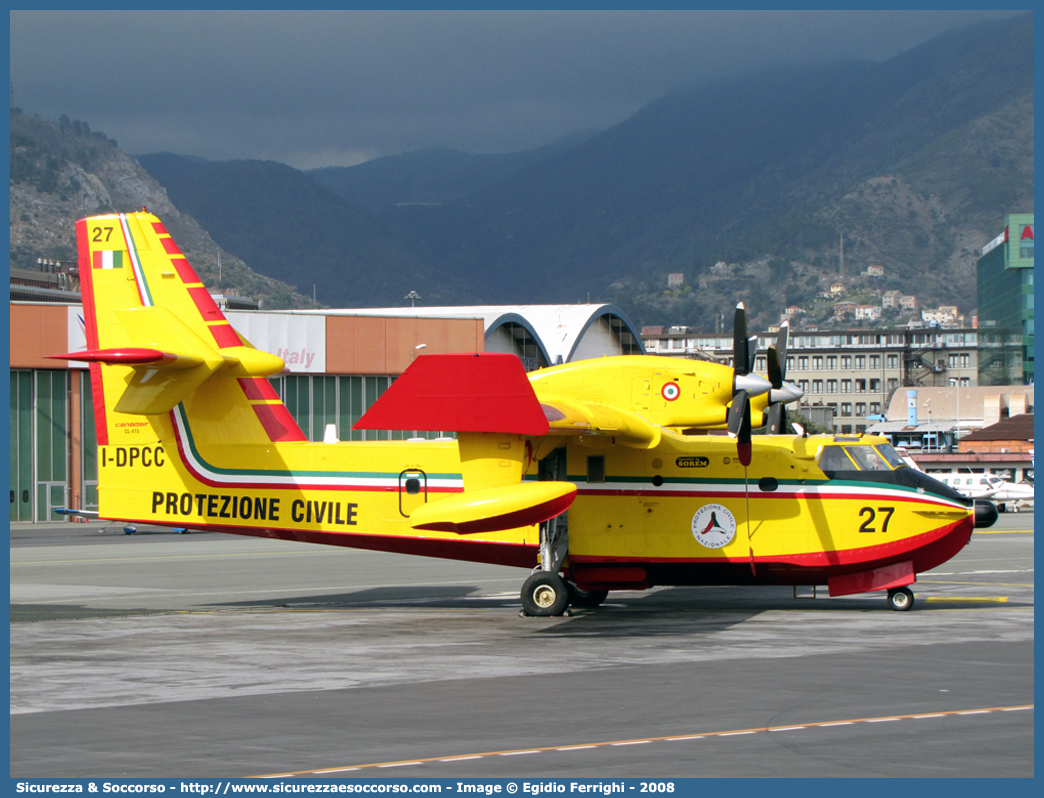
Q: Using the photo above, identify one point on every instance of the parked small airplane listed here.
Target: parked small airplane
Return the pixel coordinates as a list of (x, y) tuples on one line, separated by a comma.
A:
[(1004, 494), (1013, 496), (974, 486), (599, 475)]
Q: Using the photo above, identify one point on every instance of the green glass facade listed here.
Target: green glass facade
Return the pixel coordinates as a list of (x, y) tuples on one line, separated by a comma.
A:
[(39, 443), (1005, 287), (316, 400)]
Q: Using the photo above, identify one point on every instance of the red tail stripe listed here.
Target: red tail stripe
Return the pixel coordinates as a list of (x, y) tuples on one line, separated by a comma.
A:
[(278, 423), (170, 247), (90, 322), (258, 389), (205, 304), (225, 336), (185, 271)]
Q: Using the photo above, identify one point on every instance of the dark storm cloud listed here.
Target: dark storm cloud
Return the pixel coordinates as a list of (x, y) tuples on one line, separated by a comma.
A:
[(336, 87)]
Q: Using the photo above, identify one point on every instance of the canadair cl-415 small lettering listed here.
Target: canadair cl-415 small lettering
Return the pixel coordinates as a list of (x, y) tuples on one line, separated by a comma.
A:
[(598, 475)]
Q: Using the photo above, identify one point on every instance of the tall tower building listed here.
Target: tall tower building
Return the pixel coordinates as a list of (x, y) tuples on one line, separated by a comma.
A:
[(1005, 287)]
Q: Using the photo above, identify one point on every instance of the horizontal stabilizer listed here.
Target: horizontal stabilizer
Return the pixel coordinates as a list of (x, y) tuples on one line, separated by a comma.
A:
[(495, 509), (131, 356), (463, 393), (76, 513)]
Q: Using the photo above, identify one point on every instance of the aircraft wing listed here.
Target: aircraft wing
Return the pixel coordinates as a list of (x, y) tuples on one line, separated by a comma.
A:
[(566, 416)]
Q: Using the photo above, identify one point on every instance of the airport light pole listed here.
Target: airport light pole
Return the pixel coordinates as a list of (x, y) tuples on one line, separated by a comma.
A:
[(956, 383), (928, 404)]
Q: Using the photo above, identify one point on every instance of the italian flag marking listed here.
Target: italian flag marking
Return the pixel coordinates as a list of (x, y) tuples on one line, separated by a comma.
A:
[(108, 259)]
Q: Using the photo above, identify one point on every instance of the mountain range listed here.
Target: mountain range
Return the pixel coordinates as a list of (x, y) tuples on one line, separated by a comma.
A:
[(747, 187)]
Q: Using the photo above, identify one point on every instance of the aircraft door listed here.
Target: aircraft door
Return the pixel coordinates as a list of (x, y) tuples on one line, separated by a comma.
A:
[(413, 490)]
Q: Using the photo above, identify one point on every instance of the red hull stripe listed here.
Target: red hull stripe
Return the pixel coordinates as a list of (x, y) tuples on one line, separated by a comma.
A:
[(841, 560), (278, 423), (805, 494)]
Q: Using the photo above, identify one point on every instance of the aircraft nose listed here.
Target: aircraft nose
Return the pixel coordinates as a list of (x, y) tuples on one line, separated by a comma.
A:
[(751, 383), (985, 514)]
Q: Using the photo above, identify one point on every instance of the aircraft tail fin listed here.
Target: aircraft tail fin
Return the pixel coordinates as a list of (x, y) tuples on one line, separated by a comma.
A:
[(155, 336)]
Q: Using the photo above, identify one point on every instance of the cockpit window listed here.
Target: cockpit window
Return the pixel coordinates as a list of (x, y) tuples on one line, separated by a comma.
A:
[(867, 458), (833, 458), (890, 455), (854, 458)]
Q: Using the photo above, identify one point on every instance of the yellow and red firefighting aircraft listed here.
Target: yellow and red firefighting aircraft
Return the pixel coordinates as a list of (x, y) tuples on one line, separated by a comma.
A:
[(599, 475)]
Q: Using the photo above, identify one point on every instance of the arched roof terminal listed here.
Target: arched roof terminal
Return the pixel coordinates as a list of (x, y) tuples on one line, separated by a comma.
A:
[(542, 335)]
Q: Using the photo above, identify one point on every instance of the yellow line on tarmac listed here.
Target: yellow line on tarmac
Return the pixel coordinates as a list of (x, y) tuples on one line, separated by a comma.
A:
[(1003, 531), (175, 557), (672, 738), (997, 599), (986, 584)]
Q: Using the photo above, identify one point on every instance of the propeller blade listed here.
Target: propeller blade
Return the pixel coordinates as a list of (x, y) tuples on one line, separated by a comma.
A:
[(777, 418), (740, 358), (739, 425), (782, 339), (740, 407), (752, 353), (775, 373)]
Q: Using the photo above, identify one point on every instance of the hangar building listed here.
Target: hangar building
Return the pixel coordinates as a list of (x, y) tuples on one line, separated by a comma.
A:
[(339, 362)]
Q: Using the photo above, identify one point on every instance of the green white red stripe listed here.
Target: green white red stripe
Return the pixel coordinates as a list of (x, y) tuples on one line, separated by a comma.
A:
[(108, 259)]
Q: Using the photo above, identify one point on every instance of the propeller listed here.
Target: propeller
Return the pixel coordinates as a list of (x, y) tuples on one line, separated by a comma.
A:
[(782, 392), (744, 384)]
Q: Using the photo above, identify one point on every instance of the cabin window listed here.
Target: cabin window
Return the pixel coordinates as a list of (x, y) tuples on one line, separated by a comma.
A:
[(596, 468)]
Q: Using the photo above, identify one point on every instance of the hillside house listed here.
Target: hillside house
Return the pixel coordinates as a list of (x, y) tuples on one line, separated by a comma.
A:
[(891, 299), (868, 312)]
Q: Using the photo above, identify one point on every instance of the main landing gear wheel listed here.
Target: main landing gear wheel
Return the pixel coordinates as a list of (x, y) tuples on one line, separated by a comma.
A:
[(585, 598), (900, 599), (544, 593)]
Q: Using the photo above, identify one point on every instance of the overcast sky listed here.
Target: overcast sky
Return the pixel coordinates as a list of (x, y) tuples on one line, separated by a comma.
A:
[(335, 88)]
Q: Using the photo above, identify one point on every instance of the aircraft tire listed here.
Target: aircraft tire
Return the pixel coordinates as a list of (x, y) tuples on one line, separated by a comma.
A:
[(544, 594), (585, 598), (900, 599)]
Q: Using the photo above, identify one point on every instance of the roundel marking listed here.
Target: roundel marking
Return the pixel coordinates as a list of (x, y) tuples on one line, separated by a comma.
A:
[(670, 391), (713, 526)]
